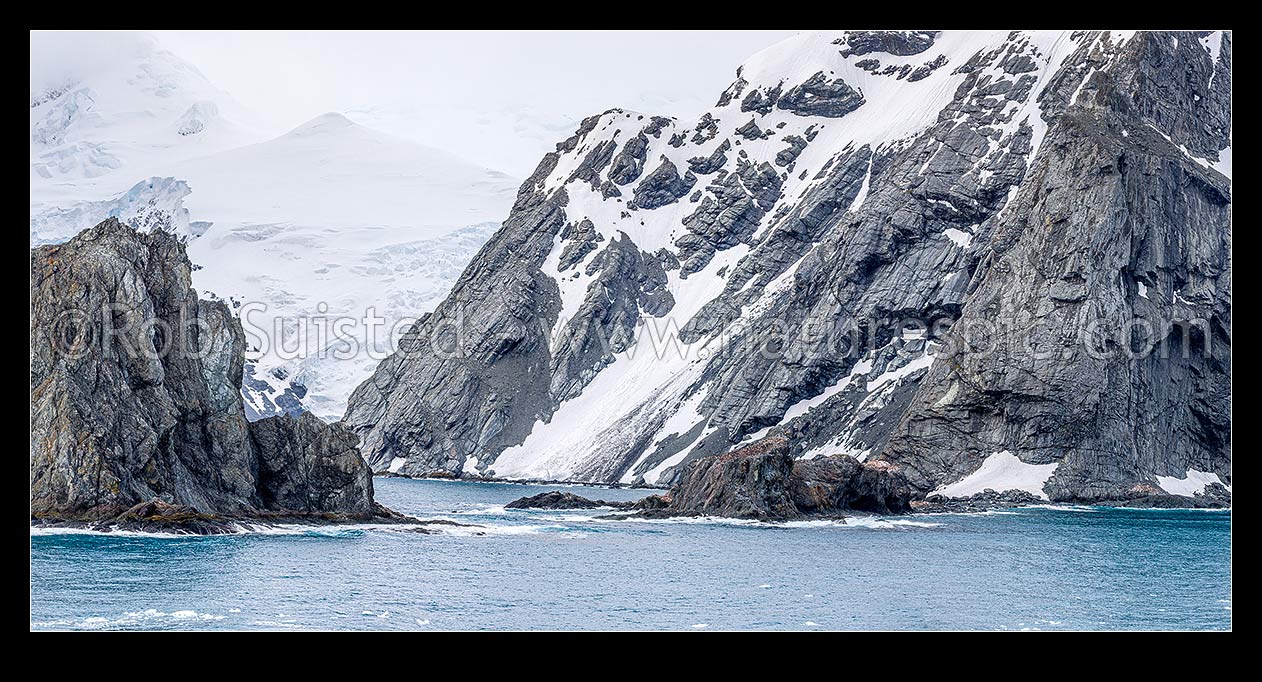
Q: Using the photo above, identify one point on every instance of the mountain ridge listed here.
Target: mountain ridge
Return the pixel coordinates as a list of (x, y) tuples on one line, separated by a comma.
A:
[(853, 178)]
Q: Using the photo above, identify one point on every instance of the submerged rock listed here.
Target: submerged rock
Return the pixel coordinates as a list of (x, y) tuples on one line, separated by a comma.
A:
[(136, 411), (983, 501)]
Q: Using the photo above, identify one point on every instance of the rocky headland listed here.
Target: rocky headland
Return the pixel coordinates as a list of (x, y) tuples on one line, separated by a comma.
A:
[(136, 413)]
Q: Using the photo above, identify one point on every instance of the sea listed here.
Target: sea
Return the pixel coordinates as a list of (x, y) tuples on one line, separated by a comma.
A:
[(1040, 568)]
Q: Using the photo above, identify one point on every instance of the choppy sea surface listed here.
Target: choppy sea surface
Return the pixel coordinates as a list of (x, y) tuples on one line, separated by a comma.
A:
[(1081, 568)]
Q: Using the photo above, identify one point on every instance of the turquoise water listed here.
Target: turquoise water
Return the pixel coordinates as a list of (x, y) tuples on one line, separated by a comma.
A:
[(1083, 568)]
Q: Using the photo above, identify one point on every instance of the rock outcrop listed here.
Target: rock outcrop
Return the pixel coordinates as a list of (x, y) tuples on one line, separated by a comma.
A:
[(840, 483), (763, 481), (748, 483), (136, 412), (562, 500)]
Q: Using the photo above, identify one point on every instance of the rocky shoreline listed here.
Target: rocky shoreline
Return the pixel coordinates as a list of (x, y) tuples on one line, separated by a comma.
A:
[(763, 482), (156, 516)]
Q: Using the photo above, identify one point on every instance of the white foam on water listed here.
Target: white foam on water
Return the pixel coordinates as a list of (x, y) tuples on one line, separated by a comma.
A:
[(484, 509), (38, 531), (496, 530), (285, 529), (275, 624), (871, 522), (1080, 508), (128, 619)]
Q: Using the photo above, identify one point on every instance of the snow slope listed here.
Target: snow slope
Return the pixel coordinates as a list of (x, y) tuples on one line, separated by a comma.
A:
[(894, 111), (329, 221)]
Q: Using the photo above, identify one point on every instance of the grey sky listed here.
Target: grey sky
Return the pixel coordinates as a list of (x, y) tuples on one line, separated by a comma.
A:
[(499, 98)]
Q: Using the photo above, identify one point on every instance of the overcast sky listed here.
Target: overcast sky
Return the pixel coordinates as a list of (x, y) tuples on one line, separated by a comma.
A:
[(499, 98)]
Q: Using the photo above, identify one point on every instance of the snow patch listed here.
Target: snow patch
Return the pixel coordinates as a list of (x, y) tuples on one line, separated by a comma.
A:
[(1002, 471), (1190, 484), (961, 238)]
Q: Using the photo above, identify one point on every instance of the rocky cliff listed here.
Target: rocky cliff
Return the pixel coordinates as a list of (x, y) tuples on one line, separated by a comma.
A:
[(136, 407), (993, 260)]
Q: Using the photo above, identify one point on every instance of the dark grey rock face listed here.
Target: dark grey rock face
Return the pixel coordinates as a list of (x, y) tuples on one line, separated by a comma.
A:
[(750, 131), (607, 318), (819, 96), (925, 70), (580, 240), (1055, 280), (304, 463), (980, 502), (730, 210), (135, 399), (712, 163), (901, 43), (1095, 263), (472, 377), (706, 129), (760, 101), (629, 163), (1051, 196), (661, 187), (790, 154)]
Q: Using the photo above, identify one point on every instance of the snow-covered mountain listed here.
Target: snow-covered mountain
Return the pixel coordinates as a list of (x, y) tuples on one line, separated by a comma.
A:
[(664, 290), (330, 219), (108, 110), (480, 130)]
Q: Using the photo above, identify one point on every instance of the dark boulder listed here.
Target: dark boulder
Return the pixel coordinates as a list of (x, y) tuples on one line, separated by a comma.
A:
[(819, 96), (762, 481), (748, 483), (557, 499)]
